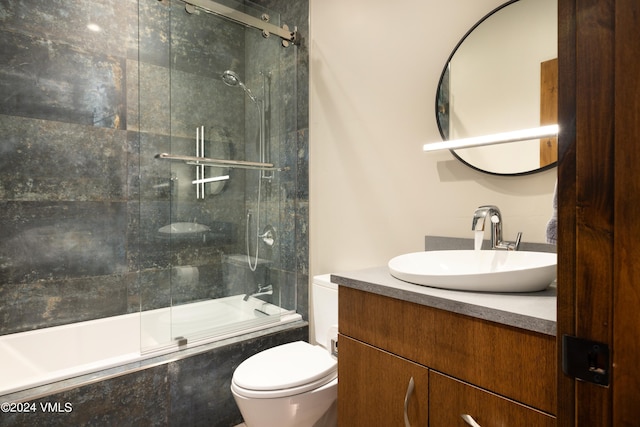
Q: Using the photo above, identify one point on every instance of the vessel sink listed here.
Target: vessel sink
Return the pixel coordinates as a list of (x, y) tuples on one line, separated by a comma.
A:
[(478, 271), (184, 228)]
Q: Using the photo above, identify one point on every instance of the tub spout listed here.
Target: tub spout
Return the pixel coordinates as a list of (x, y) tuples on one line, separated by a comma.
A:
[(262, 290)]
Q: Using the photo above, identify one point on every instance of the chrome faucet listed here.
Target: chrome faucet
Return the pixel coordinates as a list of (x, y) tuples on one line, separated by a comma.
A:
[(262, 290), (493, 213)]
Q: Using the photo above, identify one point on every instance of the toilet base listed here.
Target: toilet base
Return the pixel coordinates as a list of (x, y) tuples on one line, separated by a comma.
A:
[(316, 408)]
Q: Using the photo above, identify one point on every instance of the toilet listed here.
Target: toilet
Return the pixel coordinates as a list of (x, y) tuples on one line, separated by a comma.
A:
[(294, 384)]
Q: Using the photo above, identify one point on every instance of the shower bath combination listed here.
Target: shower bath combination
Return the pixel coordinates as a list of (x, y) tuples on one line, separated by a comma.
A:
[(232, 79), (145, 272)]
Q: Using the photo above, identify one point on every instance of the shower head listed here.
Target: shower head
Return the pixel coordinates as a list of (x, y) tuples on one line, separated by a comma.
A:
[(231, 78)]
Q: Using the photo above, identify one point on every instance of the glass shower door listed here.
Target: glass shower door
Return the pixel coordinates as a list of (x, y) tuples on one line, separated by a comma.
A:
[(215, 236)]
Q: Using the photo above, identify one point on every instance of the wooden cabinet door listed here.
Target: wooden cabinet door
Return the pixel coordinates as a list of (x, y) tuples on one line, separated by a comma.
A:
[(450, 399), (373, 386)]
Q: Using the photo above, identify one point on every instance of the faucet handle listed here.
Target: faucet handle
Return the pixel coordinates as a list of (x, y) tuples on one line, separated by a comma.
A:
[(517, 242), (510, 246)]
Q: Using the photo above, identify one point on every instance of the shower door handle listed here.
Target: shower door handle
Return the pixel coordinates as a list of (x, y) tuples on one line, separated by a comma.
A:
[(200, 168)]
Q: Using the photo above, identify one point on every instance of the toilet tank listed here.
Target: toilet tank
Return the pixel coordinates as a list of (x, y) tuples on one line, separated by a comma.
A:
[(324, 319)]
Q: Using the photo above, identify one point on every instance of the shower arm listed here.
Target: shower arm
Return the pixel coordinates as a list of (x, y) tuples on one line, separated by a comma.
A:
[(220, 163)]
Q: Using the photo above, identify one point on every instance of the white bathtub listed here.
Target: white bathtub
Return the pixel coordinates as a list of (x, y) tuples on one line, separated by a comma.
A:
[(33, 358)]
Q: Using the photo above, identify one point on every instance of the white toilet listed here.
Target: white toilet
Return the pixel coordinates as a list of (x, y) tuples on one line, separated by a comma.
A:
[(295, 384)]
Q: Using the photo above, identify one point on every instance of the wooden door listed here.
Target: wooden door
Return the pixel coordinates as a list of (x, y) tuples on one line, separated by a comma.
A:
[(599, 203), (626, 218)]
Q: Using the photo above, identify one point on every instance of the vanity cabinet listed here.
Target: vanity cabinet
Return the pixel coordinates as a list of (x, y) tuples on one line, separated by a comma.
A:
[(500, 375)]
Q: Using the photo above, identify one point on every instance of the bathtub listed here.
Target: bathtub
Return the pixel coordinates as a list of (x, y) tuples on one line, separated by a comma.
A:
[(43, 356)]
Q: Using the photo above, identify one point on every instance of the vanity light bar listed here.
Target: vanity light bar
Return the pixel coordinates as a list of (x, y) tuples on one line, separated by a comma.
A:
[(496, 138)]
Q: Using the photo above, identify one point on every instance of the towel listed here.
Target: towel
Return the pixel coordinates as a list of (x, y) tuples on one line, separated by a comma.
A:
[(552, 225)]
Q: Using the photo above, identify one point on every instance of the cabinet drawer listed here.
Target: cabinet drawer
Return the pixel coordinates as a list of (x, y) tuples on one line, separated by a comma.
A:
[(509, 361), (450, 398), (373, 386)]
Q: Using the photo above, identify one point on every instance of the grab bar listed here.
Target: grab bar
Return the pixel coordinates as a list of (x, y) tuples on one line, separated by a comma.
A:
[(220, 163)]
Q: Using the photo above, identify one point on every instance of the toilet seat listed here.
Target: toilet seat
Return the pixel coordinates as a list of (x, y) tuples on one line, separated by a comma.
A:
[(285, 370)]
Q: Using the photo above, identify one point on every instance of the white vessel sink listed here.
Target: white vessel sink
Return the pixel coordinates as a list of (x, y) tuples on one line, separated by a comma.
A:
[(478, 271)]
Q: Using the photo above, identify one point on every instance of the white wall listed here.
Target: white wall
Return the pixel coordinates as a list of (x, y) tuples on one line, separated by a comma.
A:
[(374, 194)]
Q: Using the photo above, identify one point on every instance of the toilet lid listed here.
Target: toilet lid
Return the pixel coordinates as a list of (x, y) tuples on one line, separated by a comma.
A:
[(285, 366)]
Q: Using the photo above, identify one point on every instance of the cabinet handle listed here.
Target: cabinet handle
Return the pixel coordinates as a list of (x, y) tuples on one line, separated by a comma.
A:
[(407, 396), (469, 420)]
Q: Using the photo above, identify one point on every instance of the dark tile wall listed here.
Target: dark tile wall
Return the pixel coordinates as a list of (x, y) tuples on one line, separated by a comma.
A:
[(65, 164), (81, 196)]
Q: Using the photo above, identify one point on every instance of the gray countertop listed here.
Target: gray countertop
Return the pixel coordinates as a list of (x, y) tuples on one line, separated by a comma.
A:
[(534, 311)]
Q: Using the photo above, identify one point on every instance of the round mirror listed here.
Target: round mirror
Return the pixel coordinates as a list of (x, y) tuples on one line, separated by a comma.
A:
[(501, 77)]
